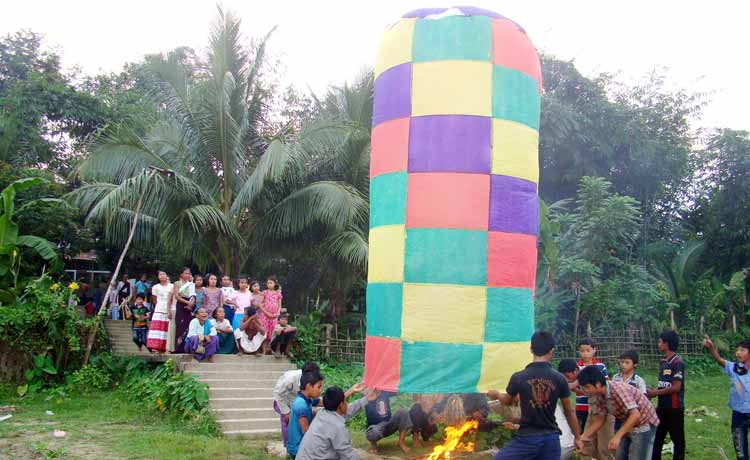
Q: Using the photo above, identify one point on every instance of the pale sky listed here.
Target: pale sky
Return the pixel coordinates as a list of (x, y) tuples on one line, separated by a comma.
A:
[(703, 45)]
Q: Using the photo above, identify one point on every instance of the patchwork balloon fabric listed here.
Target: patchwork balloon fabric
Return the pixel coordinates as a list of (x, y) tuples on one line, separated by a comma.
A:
[(453, 203)]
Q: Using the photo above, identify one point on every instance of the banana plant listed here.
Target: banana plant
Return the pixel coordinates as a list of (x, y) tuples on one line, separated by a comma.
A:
[(12, 244)]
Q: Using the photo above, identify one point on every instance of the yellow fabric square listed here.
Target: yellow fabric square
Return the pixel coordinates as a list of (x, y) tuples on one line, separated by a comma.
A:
[(395, 46), (515, 150), (500, 361), (386, 254), (451, 88), (431, 314)]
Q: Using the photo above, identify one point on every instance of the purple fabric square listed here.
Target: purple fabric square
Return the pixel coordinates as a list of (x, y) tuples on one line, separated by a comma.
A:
[(450, 143), (392, 94), (514, 207)]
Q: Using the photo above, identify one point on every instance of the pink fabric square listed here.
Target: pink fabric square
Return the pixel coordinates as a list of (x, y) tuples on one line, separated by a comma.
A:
[(511, 260), (512, 48), (390, 146), (382, 363), (448, 200)]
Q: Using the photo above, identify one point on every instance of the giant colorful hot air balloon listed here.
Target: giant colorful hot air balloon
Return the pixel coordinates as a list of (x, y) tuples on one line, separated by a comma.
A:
[(453, 203)]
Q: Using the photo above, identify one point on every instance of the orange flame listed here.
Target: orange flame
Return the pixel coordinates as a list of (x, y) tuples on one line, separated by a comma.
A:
[(453, 442)]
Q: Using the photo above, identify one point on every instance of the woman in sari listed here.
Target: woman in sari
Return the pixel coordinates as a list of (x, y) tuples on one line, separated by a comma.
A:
[(201, 339), (184, 295), (156, 341), (224, 331)]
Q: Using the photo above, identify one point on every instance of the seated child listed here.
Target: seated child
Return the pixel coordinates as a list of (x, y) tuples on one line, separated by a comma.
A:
[(282, 336), (201, 337), (224, 330), (327, 438), (381, 423), (301, 414), (738, 400), (139, 315), (250, 335)]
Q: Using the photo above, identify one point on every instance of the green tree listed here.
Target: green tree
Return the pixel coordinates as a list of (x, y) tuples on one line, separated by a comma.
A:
[(12, 245), (721, 200), (323, 206), (43, 115), (210, 143), (677, 274)]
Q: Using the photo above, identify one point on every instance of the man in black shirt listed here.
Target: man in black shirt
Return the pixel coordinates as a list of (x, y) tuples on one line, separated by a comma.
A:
[(671, 394), (539, 387)]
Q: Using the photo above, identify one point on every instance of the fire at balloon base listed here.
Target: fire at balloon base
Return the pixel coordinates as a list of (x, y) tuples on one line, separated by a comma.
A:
[(455, 442)]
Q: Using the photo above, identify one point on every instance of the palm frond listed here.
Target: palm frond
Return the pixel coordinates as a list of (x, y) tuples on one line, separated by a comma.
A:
[(334, 205), (349, 247)]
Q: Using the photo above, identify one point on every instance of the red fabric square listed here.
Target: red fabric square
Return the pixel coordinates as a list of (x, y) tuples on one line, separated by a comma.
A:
[(511, 260), (382, 363), (512, 48), (390, 147), (448, 200)]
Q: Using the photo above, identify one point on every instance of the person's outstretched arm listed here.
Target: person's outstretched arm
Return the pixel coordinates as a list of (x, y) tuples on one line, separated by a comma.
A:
[(712, 350)]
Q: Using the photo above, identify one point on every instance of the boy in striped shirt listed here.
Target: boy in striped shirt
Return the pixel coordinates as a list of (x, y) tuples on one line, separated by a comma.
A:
[(598, 449)]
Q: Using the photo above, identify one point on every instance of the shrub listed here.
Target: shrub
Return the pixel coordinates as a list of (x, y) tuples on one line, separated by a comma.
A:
[(43, 323), (174, 394), (90, 378)]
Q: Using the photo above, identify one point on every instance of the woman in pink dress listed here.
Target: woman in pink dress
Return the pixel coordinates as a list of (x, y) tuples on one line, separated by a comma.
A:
[(270, 309)]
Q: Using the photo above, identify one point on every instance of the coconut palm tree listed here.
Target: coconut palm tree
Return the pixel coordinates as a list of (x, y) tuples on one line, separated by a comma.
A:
[(209, 140), (323, 203), (230, 193)]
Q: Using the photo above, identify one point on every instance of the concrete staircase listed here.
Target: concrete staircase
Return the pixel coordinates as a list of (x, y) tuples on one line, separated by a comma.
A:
[(240, 388)]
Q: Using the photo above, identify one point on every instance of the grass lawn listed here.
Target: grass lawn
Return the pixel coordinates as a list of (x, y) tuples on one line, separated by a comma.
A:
[(105, 425)]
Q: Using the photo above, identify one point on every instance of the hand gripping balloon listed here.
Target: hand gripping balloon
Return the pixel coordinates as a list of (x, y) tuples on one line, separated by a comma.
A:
[(453, 203)]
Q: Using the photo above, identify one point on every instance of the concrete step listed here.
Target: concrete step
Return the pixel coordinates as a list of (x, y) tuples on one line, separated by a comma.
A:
[(266, 433), (241, 402), (231, 392), (235, 413), (231, 374), (238, 424), (248, 365), (240, 383), (220, 359)]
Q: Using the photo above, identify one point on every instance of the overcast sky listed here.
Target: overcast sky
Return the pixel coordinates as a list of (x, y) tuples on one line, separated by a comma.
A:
[(703, 45)]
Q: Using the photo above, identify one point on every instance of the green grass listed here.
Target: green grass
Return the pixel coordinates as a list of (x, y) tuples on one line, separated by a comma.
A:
[(106, 425)]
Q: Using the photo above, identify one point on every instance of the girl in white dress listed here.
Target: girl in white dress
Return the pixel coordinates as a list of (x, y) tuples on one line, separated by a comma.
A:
[(157, 331)]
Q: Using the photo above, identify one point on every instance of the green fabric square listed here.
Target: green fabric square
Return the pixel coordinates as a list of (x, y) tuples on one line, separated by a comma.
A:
[(428, 367), (388, 199), (510, 315), (446, 256), (453, 38), (515, 97), (384, 301)]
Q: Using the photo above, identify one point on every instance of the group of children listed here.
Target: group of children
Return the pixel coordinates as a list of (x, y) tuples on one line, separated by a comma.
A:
[(308, 436), (190, 317), (613, 418)]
